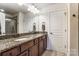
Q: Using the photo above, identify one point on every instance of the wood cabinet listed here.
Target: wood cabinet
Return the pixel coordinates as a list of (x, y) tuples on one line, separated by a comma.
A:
[(34, 47), (45, 42), (26, 45), (33, 51), (0, 54), (12, 52), (40, 47), (42, 44)]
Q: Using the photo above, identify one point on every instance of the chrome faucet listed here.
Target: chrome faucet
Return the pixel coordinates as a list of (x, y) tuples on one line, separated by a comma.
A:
[(34, 27), (43, 26)]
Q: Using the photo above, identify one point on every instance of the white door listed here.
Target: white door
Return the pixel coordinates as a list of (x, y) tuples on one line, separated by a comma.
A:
[(58, 31)]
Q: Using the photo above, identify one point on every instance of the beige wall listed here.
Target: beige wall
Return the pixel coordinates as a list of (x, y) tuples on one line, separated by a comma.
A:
[(2, 22), (73, 29)]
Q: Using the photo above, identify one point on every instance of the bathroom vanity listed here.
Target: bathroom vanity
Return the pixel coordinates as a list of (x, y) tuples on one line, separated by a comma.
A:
[(27, 45)]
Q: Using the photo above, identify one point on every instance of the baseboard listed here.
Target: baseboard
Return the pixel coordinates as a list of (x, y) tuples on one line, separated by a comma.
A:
[(73, 52)]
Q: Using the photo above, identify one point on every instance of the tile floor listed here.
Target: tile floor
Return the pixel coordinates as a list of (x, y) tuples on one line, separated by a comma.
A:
[(52, 53)]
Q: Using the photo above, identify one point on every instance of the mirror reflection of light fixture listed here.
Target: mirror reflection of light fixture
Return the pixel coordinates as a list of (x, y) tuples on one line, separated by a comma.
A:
[(8, 19), (1, 10)]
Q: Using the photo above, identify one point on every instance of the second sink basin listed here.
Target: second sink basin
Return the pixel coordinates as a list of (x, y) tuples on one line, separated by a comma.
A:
[(24, 38), (21, 39)]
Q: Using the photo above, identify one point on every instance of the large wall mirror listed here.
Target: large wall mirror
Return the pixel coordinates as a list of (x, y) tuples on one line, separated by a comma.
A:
[(10, 25), (19, 20)]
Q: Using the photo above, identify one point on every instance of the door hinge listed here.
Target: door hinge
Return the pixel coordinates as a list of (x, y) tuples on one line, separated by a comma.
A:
[(65, 13), (65, 30)]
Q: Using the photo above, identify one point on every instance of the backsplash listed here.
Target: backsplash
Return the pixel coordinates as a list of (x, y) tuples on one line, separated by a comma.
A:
[(17, 35)]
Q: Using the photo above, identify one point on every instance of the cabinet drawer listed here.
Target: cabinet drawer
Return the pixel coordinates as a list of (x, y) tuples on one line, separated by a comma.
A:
[(25, 46), (12, 52)]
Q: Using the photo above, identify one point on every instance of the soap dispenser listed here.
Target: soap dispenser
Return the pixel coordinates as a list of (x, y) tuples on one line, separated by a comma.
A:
[(34, 27), (43, 26)]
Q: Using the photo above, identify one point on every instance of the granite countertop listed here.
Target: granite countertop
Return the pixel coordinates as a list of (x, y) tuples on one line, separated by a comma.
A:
[(12, 42)]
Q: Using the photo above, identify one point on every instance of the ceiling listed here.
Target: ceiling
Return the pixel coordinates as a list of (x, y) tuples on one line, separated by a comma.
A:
[(13, 8), (42, 5)]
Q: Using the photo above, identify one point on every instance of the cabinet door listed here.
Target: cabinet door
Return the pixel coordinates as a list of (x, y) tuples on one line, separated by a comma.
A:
[(24, 53), (33, 51), (27, 45), (45, 44), (41, 49)]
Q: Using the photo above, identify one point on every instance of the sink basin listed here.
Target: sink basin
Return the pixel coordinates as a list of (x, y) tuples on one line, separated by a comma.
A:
[(24, 38), (21, 39)]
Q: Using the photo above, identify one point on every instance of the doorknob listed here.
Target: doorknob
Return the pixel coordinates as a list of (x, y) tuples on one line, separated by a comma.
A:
[(51, 33)]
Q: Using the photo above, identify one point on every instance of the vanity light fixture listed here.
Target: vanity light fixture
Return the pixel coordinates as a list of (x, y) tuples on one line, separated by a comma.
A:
[(29, 7), (32, 9)]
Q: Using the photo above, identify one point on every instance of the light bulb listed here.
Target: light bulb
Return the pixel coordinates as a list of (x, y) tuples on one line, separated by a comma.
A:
[(20, 3), (1, 10)]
